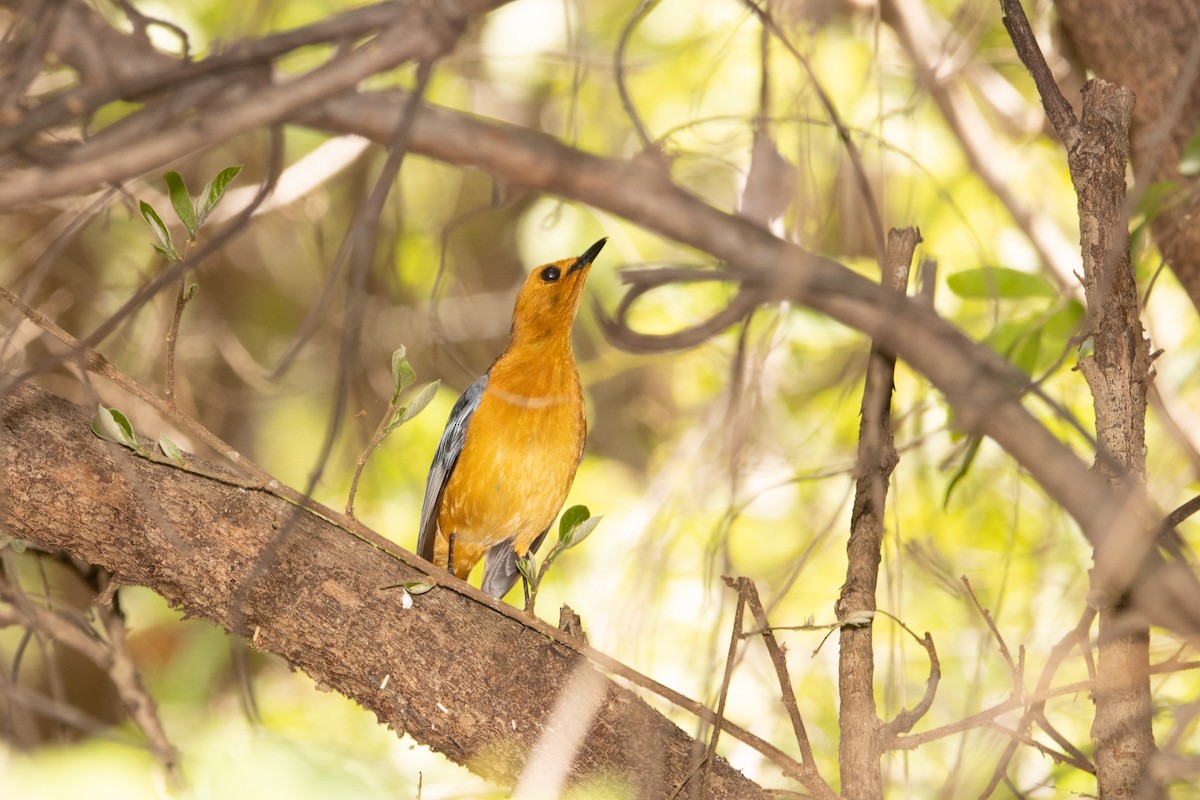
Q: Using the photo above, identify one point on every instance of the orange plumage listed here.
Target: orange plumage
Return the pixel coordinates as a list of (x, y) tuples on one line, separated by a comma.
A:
[(514, 439)]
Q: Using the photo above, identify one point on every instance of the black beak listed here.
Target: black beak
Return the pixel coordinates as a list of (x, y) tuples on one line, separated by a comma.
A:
[(588, 256)]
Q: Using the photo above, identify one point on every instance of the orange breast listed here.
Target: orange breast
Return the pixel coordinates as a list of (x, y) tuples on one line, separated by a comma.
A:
[(522, 447)]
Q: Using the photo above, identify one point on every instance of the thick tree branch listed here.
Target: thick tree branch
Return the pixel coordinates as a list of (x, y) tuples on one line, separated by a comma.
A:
[(452, 671)]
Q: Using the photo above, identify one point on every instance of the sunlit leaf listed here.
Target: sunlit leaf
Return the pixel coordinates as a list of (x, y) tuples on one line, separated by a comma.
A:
[(1064, 323), (1004, 282), (418, 403), (580, 532), (165, 245), (1189, 159), (403, 375), (964, 467), (573, 516), (181, 201), (1029, 348), (417, 587), (214, 192), (171, 450), (112, 425), (527, 568)]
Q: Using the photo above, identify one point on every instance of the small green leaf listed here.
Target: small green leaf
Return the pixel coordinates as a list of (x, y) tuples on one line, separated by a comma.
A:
[(190, 292), (1087, 348), (181, 201), (963, 468), (417, 587), (1189, 159), (214, 192), (165, 245), (171, 450), (527, 568), (987, 282), (114, 426), (418, 403), (580, 532), (573, 516), (403, 374), (18, 545)]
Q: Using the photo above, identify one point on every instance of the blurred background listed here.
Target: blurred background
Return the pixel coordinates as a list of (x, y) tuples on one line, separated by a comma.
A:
[(732, 458)]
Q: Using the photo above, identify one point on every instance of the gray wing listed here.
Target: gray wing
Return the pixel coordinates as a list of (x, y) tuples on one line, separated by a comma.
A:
[(444, 459), (500, 569)]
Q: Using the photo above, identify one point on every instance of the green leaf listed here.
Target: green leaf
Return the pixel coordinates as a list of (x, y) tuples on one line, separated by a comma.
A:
[(165, 245), (171, 450), (181, 201), (575, 515), (580, 532), (190, 292), (1064, 323), (987, 282), (527, 569), (18, 545), (214, 192), (114, 426), (1156, 197), (417, 587), (1189, 159), (423, 398), (963, 468), (1029, 348), (403, 375)]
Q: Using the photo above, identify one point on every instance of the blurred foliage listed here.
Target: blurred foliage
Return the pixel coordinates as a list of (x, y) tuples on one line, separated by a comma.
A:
[(694, 479)]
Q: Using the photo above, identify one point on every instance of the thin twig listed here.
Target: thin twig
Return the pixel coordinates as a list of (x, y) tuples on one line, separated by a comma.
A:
[(1017, 677), (735, 635), (1058, 110), (809, 775), (627, 103)]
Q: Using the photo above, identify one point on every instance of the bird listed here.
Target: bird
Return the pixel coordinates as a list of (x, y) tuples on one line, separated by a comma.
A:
[(514, 439)]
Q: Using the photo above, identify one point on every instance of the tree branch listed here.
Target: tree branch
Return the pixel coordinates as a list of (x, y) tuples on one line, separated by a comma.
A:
[(472, 697)]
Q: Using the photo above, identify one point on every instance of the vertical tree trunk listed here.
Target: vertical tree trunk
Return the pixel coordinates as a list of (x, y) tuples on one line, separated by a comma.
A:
[(1117, 370), (859, 747)]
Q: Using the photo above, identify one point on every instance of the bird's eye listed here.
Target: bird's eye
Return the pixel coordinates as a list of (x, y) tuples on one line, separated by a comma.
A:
[(550, 274)]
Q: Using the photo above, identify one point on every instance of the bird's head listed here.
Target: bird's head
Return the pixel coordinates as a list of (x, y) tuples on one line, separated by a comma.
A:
[(547, 303)]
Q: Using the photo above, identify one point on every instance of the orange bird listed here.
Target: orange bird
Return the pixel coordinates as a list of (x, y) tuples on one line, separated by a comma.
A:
[(514, 439)]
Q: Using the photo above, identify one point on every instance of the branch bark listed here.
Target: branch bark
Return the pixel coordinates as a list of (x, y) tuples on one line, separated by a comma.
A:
[(1118, 371), (1151, 47), (860, 746), (452, 671)]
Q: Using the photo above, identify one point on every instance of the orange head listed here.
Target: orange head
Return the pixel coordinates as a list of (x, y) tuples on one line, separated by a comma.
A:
[(547, 303)]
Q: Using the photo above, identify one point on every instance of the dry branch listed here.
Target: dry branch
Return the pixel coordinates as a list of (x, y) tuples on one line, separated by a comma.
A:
[(860, 746), (1118, 371)]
